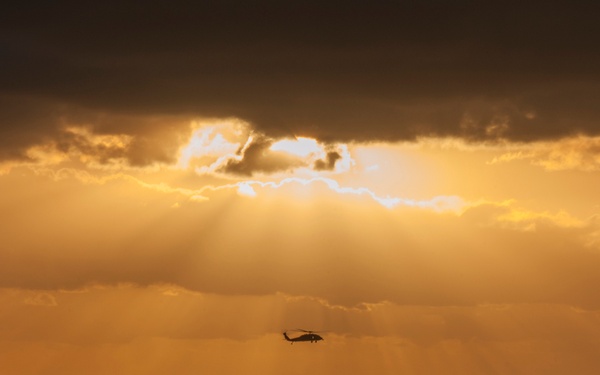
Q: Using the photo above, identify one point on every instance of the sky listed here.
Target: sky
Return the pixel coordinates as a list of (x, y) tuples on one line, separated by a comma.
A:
[(181, 183)]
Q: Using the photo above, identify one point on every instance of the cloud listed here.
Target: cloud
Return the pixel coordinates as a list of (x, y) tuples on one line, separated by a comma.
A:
[(215, 142), (80, 144), (325, 249), (509, 215), (218, 147), (401, 72), (328, 163), (190, 329), (175, 313), (255, 157), (30, 124), (41, 299), (210, 250), (578, 153), (232, 147)]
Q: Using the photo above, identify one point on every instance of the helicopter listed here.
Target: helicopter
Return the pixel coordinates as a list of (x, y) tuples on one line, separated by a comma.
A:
[(307, 336)]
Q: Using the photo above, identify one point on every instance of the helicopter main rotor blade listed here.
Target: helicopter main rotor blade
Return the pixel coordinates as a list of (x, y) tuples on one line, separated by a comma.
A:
[(307, 331)]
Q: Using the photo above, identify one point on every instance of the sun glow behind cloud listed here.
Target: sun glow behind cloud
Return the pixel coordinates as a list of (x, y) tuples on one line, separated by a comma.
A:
[(217, 141), (300, 146), (232, 147)]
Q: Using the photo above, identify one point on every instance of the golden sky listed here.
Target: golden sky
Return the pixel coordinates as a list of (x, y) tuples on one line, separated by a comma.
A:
[(180, 186)]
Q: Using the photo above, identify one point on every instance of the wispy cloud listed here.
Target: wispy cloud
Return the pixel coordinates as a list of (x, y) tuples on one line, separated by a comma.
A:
[(578, 153)]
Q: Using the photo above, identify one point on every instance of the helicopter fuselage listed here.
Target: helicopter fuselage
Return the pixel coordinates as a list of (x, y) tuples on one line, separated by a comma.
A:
[(305, 337)]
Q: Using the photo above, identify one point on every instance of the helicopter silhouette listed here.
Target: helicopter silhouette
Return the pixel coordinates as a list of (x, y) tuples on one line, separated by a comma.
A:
[(308, 336)]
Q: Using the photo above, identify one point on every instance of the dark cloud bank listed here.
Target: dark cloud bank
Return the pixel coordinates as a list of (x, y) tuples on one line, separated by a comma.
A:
[(354, 72)]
